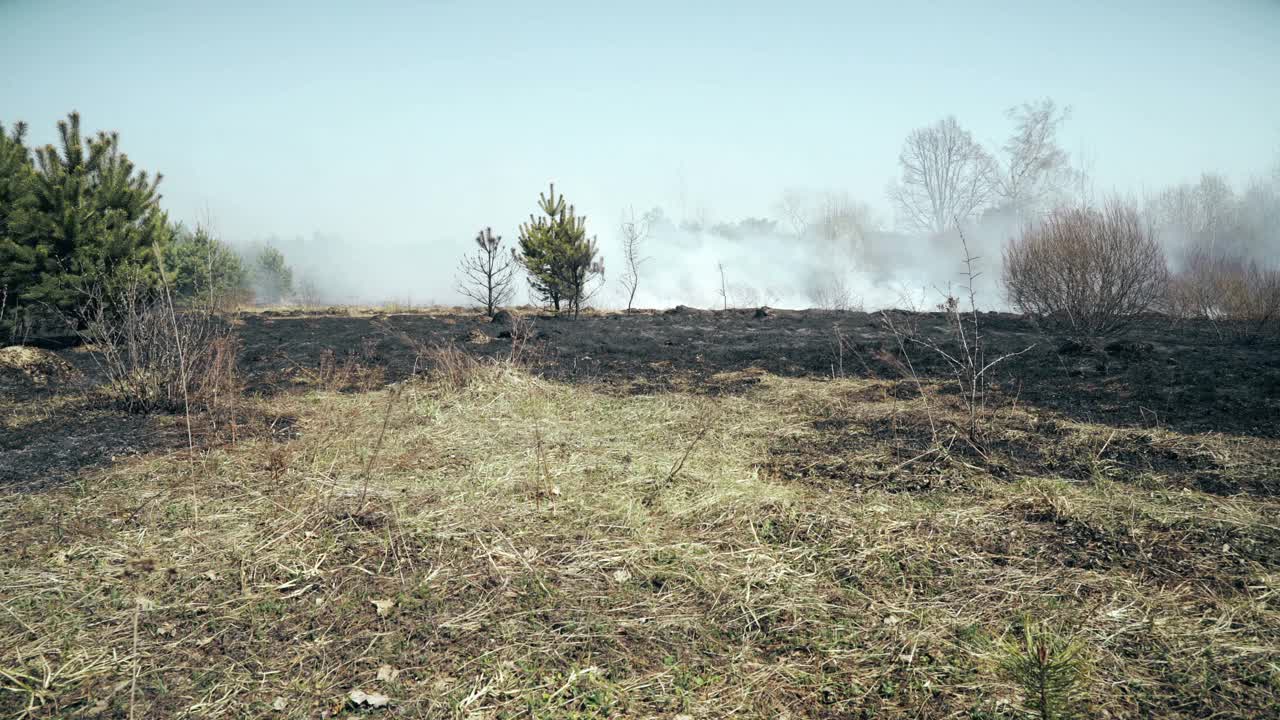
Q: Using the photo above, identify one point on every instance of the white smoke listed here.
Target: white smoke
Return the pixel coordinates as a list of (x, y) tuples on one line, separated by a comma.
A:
[(821, 251)]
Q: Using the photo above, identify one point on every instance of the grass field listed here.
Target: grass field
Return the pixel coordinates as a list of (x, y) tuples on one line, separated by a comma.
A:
[(479, 539)]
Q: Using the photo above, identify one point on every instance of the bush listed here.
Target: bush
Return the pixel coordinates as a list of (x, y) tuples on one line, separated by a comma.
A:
[(1240, 297), (152, 358), (830, 291), (1090, 271)]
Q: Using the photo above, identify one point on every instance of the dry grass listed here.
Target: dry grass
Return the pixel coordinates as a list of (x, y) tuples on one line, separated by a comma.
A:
[(519, 548)]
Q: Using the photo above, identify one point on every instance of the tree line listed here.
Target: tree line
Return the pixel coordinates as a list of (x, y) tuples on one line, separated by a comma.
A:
[(79, 214)]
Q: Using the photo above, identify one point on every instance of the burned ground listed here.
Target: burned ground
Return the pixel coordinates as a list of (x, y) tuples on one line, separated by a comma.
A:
[(1181, 377), (1157, 376), (1159, 373)]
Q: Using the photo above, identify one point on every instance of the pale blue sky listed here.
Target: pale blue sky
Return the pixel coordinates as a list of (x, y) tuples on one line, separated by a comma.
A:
[(416, 123)]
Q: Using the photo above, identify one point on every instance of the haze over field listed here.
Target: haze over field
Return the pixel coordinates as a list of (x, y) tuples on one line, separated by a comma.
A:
[(371, 143)]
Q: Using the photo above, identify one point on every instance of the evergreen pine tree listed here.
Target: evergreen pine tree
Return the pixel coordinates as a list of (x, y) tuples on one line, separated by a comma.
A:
[(16, 178), (271, 276), (202, 268), (90, 214), (557, 254), (17, 197)]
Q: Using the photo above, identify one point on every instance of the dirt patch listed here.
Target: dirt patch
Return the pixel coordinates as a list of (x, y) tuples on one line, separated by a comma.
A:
[(66, 436), (46, 442), (26, 368)]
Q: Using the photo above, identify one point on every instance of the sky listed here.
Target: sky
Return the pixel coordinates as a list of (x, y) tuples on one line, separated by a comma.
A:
[(400, 129)]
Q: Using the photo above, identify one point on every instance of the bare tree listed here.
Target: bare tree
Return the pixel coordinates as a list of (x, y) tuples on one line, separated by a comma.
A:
[(487, 277), (634, 233), (1206, 215), (744, 296), (833, 228), (946, 177), (1037, 171), (724, 290), (1089, 270), (1083, 188), (842, 222), (833, 218), (794, 208), (309, 293), (1258, 213)]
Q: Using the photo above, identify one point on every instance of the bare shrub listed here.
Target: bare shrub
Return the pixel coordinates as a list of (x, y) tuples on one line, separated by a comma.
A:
[(1091, 271), (522, 336), (831, 291), (967, 360), (153, 358), (1240, 297), (220, 385)]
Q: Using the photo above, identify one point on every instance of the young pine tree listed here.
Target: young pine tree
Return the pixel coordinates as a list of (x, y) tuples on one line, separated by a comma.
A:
[(93, 214), (487, 277), (17, 198), (271, 276), (203, 269), (562, 262), (1050, 670), (635, 232)]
